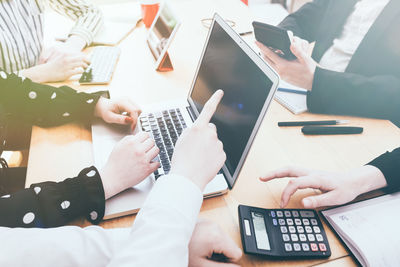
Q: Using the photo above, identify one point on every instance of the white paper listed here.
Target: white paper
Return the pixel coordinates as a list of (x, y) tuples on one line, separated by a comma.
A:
[(371, 229)]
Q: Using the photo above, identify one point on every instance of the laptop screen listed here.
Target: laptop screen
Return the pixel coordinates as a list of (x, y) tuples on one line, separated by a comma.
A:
[(226, 66)]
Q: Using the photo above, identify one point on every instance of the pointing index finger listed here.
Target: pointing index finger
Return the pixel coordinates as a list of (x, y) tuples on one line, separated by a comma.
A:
[(209, 108)]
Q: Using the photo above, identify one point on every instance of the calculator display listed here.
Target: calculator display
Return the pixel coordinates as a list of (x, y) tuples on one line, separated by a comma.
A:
[(260, 231)]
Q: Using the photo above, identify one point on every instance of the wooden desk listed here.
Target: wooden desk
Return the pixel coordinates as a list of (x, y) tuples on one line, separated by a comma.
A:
[(65, 150)]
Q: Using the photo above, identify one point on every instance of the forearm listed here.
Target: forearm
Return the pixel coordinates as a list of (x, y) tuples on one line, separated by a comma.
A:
[(63, 246), (45, 105), (51, 204), (388, 164), (305, 22), (36, 73), (75, 43), (353, 94), (163, 226)]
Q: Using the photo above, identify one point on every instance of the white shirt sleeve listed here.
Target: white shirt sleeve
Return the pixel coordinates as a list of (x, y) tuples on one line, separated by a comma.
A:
[(159, 236), (163, 228), (63, 246)]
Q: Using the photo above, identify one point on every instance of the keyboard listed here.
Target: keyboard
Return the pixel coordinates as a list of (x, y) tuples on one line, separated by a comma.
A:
[(165, 127), (103, 60)]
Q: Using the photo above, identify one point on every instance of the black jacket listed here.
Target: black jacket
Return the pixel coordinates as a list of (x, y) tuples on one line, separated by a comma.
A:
[(48, 204), (370, 85)]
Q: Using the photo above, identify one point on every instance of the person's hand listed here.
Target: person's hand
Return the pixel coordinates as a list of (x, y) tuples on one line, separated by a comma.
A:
[(209, 239), (299, 72), (337, 187), (120, 111), (130, 163), (198, 154), (71, 47)]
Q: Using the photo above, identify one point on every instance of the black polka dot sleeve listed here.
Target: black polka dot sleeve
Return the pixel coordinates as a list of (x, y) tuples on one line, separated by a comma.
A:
[(51, 204), (45, 105)]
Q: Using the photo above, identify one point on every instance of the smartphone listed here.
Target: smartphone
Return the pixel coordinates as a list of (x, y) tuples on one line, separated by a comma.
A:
[(277, 39)]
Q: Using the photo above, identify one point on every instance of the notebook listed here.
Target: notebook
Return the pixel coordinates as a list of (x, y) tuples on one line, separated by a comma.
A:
[(370, 229), (119, 20), (296, 103)]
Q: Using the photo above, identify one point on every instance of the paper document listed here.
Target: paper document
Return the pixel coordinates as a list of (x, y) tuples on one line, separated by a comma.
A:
[(370, 229), (296, 103)]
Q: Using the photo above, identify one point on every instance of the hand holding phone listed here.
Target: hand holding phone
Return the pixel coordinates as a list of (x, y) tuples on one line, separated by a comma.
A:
[(277, 39)]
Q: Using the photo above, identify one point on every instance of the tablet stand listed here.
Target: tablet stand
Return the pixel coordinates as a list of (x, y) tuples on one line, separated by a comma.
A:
[(165, 64)]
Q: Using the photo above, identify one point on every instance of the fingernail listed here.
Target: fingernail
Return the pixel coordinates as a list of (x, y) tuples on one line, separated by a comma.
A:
[(128, 120)]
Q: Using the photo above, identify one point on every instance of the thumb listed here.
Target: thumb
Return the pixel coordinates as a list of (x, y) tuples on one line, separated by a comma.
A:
[(297, 50), (322, 200)]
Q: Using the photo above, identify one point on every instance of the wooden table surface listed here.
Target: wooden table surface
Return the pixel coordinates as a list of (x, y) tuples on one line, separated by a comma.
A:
[(61, 152)]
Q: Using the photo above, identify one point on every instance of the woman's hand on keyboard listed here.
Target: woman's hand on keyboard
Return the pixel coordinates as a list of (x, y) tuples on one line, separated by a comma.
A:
[(199, 154), (58, 68), (120, 111), (337, 187), (129, 164)]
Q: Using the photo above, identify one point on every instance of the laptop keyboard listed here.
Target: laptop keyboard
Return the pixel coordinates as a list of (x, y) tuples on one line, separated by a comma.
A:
[(165, 127)]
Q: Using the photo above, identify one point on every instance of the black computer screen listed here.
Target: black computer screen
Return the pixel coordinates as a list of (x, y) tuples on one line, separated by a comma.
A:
[(226, 66)]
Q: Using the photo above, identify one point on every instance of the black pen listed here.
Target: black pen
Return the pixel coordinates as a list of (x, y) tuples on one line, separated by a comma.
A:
[(329, 130), (245, 33), (310, 123)]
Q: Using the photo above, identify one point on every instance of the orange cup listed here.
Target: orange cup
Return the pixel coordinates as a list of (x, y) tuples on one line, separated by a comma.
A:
[(149, 12)]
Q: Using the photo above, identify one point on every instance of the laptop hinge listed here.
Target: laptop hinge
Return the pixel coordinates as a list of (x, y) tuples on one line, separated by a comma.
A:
[(191, 113)]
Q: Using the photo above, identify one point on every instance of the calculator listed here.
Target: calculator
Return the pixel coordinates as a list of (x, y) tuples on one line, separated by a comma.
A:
[(283, 233)]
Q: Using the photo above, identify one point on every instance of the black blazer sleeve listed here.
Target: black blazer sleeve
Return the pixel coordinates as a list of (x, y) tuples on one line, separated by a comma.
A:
[(389, 163), (51, 204), (305, 22), (354, 94), (45, 105)]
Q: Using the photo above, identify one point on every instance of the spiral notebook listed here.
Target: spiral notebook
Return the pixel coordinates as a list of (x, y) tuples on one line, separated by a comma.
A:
[(295, 102), (370, 229)]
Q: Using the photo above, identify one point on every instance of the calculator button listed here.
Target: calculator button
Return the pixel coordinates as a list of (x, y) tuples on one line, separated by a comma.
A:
[(319, 237), (314, 247), (314, 222), (322, 247), (311, 237), (279, 213), (295, 213), (307, 214), (284, 229), (289, 221), (273, 214), (285, 237), (247, 227), (303, 237), (300, 229), (292, 229), (308, 229), (306, 222), (296, 247), (288, 213), (294, 237), (305, 247), (288, 247), (275, 222), (297, 221), (316, 230), (282, 222)]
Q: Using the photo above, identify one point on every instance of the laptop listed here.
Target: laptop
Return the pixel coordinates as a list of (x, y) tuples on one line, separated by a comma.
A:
[(249, 84)]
